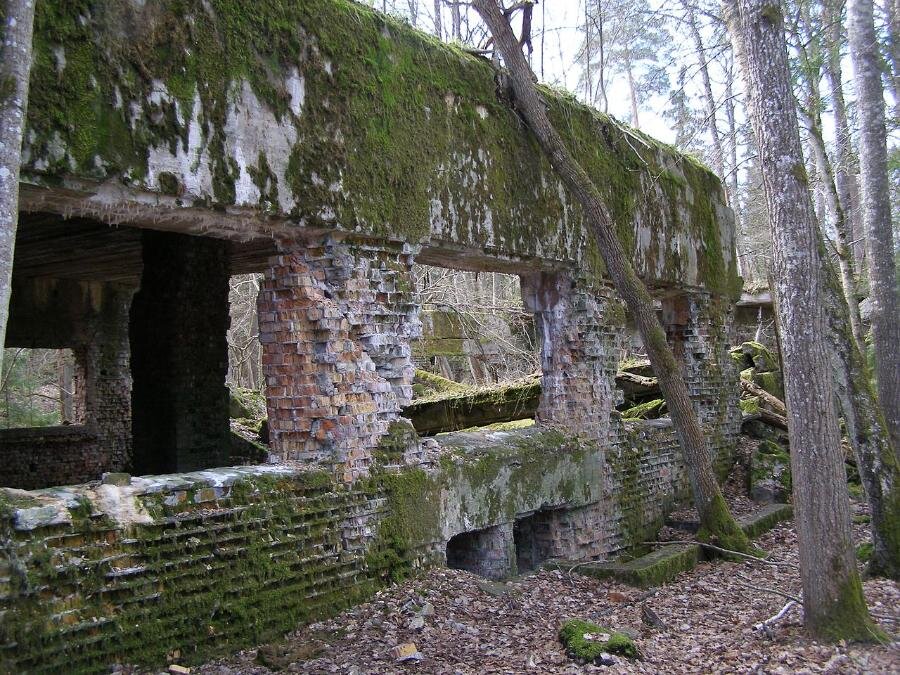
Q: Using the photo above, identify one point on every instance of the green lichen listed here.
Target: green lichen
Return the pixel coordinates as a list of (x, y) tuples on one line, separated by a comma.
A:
[(586, 641), (435, 384)]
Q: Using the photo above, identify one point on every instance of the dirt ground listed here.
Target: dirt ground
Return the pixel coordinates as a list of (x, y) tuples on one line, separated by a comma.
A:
[(462, 624)]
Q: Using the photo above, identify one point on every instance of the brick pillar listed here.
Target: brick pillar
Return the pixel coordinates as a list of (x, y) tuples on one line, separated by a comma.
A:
[(179, 318), (103, 378), (581, 331), (335, 321), (697, 326)]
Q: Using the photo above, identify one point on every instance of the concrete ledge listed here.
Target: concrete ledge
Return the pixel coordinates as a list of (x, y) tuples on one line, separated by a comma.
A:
[(662, 565), (653, 569), (764, 519)]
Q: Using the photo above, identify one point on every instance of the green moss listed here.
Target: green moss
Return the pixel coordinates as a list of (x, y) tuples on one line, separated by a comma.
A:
[(718, 526), (864, 551), (504, 426), (750, 406), (412, 519), (847, 617), (770, 382), (400, 437), (771, 461), (572, 634), (644, 411)]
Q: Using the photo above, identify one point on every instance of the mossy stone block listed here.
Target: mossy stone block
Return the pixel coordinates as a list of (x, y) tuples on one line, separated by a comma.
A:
[(586, 641), (653, 569), (770, 473)]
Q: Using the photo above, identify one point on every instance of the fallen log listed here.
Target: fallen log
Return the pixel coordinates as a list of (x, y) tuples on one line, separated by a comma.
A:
[(776, 404), (767, 417), (452, 411), (633, 384)]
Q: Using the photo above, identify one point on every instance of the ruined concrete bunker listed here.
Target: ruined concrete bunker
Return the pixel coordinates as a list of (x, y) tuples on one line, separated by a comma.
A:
[(171, 145)]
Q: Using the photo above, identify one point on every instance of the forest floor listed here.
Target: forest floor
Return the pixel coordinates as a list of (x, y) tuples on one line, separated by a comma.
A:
[(462, 624)]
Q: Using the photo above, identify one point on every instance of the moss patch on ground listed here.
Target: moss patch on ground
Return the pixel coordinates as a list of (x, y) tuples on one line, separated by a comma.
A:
[(586, 641)]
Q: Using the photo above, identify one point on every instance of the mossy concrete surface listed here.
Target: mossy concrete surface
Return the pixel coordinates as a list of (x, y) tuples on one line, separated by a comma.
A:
[(764, 519), (460, 408), (770, 472), (231, 117)]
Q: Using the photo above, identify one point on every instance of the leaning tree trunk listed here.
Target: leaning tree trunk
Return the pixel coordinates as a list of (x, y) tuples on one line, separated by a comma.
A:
[(878, 466), (17, 17), (715, 518), (877, 212), (833, 603), (838, 218)]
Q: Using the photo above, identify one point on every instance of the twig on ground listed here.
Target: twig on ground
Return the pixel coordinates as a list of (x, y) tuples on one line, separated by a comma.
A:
[(774, 619), (761, 589)]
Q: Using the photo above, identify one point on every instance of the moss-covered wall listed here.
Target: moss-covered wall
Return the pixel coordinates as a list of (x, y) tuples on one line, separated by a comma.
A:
[(325, 113), (198, 564)]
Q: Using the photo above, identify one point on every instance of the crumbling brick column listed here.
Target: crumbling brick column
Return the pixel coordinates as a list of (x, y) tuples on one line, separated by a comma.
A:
[(697, 325), (581, 330), (103, 370), (179, 319), (335, 322)]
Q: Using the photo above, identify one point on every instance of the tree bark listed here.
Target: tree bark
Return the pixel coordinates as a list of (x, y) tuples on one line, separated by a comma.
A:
[(17, 17), (716, 521), (733, 185), (834, 607), (877, 212)]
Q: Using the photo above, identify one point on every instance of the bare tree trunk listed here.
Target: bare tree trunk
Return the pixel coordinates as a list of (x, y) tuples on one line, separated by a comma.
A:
[(733, 186), (456, 19), (438, 27), (845, 163), (837, 216), (715, 518), (892, 11), (877, 212), (633, 95), (833, 604), (17, 17), (543, 34), (588, 93), (718, 153)]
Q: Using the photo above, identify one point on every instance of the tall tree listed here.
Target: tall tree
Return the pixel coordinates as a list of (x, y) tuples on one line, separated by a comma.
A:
[(626, 38), (844, 159), (718, 156), (833, 603), (16, 23), (876, 209), (715, 518), (807, 38)]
